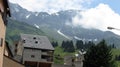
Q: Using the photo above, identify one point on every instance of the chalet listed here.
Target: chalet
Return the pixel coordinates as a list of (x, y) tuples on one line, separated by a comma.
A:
[(35, 51)]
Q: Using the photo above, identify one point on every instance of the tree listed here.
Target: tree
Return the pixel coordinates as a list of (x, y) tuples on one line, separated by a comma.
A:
[(79, 44), (68, 46), (54, 44), (98, 56), (113, 46), (88, 44), (63, 44)]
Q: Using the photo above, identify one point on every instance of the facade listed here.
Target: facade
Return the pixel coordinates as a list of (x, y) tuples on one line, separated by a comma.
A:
[(35, 50), (4, 13), (69, 60)]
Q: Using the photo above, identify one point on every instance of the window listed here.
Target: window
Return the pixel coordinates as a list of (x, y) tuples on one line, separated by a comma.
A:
[(36, 42), (32, 56), (16, 45), (1, 41), (23, 41), (15, 50), (34, 37)]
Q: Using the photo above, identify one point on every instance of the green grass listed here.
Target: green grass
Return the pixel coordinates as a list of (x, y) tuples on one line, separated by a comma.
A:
[(59, 51), (59, 55), (114, 53)]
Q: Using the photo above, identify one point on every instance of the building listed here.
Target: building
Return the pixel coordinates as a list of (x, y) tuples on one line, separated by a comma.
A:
[(34, 51), (4, 12), (5, 52), (69, 60)]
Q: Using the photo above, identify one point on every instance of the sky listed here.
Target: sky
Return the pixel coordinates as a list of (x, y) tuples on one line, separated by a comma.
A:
[(98, 14)]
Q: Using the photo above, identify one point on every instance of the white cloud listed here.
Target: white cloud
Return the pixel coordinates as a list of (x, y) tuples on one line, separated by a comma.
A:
[(99, 17), (51, 5)]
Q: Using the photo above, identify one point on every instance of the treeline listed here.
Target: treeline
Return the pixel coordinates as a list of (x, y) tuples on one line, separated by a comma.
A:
[(69, 46)]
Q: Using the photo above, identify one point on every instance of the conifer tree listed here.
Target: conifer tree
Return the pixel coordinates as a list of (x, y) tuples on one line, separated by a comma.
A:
[(99, 56)]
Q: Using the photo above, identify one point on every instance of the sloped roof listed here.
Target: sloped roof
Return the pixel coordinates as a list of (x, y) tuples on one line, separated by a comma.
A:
[(6, 7), (8, 49), (36, 41)]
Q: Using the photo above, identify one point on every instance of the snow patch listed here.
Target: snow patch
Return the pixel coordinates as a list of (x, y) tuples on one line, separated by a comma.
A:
[(37, 14), (36, 26), (95, 39), (77, 38), (57, 14), (28, 16), (84, 39), (63, 35)]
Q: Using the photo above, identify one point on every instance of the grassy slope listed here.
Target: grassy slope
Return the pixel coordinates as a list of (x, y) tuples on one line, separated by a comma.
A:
[(60, 59), (14, 28)]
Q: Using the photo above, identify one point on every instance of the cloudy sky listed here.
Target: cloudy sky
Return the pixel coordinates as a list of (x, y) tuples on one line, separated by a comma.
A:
[(97, 14)]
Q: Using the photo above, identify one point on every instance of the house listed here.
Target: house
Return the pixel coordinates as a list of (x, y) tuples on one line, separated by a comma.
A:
[(69, 60), (8, 60), (35, 51), (4, 12), (5, 52)]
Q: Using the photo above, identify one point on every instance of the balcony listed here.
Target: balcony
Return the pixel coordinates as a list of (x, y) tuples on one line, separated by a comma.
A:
[(46, 59), (47, 53)]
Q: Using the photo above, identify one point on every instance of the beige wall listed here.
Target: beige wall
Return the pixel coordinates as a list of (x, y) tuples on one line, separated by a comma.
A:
[(2, 35), (11, 63)]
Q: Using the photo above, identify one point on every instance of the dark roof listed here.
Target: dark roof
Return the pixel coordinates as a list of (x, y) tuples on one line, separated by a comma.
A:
[(6, 7), (9, 49), (18, 58), (36, 41)]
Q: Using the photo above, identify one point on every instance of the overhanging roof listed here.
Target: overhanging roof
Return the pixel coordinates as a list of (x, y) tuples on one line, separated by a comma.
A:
[(36, 41)]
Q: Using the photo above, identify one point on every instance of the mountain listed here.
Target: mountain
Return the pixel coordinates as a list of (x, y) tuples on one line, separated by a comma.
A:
[(15, 28), (58, 25)]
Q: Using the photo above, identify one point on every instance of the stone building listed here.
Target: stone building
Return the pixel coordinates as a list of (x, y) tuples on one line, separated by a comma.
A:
[(34, 51)]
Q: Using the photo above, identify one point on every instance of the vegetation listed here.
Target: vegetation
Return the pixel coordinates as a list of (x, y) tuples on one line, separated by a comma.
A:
[(80, 45), (15, 28), (68, 46), (116, 52), (99, 56), (54, 44)]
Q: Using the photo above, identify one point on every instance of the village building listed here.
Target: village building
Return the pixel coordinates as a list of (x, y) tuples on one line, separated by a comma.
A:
[(34, 50), (5, 53)]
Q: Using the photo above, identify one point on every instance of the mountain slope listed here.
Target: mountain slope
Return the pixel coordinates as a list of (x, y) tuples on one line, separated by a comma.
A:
[(15, 28), (58, 26)]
